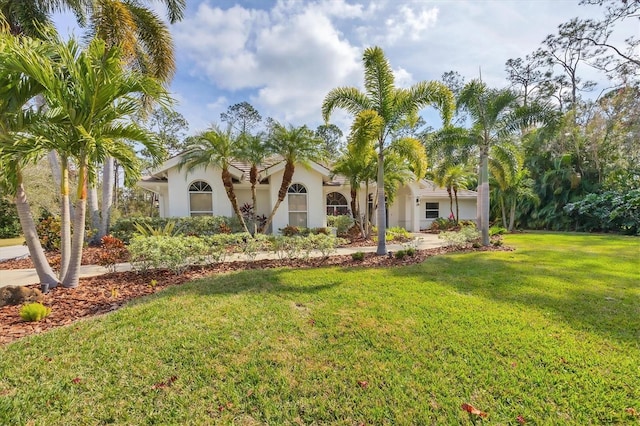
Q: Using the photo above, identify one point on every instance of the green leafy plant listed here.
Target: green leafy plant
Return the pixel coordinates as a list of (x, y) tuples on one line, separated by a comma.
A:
[(165, 252), (357, 255), (461, 238), (400, 254), (342, 223), (497, 230), (290, 231), (34, 312), (147, 230)]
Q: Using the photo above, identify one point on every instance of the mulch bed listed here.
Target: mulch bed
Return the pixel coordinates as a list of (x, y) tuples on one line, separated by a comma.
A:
[(108, 292)]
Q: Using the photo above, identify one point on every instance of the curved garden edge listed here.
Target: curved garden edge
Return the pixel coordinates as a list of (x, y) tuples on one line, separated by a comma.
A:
[(105, 293)]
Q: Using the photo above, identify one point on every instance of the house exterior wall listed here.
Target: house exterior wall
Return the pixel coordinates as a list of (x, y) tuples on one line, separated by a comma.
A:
[(466, 206), (316, 199), (178, 193)]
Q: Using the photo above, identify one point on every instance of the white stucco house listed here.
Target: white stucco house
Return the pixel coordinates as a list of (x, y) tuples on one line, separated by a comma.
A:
[(313, 195)]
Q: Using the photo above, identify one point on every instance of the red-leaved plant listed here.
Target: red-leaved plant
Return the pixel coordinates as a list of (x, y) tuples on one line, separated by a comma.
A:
[(112, 252)]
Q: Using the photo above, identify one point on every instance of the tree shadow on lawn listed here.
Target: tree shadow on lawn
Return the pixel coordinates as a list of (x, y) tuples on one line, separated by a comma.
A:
[(606, 302), (238, 282)]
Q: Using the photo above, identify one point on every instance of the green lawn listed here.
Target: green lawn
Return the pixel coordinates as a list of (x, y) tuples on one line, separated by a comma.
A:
[(549, 332)]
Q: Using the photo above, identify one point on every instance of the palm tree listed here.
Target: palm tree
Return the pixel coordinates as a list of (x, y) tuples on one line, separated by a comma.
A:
[(388, 108), (253, 149), (15, 152), (28, 17), (453, 177), (294, 145), (91, 100), (494, 116), (216, 147)]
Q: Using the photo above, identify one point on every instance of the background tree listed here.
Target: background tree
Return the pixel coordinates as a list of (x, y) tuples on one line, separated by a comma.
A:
[(331, 137), (242, 117), (382, 108)]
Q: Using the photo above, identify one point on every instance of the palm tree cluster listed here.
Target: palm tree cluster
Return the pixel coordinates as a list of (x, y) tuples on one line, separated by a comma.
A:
[(78, 104)]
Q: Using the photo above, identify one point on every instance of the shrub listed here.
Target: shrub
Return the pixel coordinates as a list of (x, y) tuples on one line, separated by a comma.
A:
[(290, 231), (124, 229), (442, 224), (610, 211), (460, 238), (34, 312), (400, 254), (112, 252), (398, 234), (173, 253), (146, 230), (342, 223), (250, 246), (49, 229), (9, 221), (357, 255), (497, 230)]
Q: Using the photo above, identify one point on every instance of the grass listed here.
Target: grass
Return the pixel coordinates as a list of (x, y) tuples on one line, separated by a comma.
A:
[(549, 332), (5, 242)]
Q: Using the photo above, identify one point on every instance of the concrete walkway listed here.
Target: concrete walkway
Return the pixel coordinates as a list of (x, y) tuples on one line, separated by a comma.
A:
[(29, 276)]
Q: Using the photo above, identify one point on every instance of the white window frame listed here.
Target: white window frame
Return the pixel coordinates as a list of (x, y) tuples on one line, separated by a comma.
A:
[(334, 207), (299, 189), (200, 187), (430, 209)]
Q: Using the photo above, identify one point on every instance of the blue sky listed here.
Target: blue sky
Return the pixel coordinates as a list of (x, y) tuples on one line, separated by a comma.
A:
[(284, 56)]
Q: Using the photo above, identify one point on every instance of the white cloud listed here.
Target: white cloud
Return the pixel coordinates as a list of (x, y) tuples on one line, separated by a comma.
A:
[(403, 78), (293, 55)]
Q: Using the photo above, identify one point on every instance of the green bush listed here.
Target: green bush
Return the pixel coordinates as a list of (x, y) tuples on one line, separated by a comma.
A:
[(125, 228), (9, 221), (163, 252), (342, 223), (398, 234), (34, 312), (357, 255), (461, 238), (497, 230), (610, 211)]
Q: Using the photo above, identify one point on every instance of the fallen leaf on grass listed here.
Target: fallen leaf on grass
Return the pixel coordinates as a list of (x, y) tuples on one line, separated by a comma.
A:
[(363, 384), (167, 383), (76, 380), (521, 420), (632, 412), (473, 410)]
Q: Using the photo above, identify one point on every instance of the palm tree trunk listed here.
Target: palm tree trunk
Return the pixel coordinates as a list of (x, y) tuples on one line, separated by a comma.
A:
[(72, 278), (94, 213), (354, 208), (107, 197), (450, 200), (503, 212), (56, 173), (455, 195), (231, 195), (289, 168), (43, 269), (65, 217), (512, 216), (253, 179), (484, 196), (381, 219)]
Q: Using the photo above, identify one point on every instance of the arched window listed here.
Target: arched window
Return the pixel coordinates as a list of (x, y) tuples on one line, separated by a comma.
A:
[(200, 199), (337, 204), (297, 197)]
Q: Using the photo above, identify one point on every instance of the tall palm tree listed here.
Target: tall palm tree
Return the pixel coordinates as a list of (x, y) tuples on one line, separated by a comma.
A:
[(294, 145), (92, 100), (216, 147), (388, 108), (15, 151), (494, 116)]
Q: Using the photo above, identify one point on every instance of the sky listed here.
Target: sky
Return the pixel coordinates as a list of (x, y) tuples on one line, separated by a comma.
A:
[(284, 56)]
